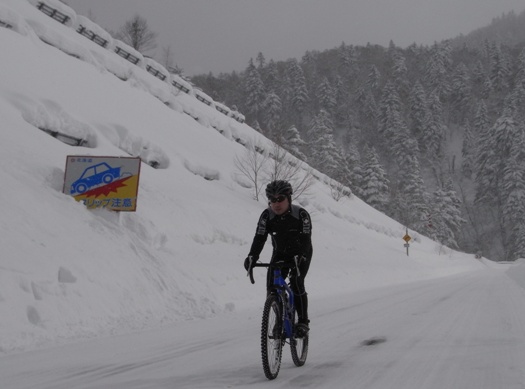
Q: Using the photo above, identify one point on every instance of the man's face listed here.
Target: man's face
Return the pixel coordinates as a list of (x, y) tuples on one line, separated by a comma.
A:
[(279, 204)]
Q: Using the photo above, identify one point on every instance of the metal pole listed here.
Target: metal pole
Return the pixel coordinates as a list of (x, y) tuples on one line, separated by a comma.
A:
[(407, 245)]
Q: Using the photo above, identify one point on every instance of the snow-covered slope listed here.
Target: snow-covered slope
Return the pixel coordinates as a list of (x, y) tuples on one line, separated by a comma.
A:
[(67, 272)]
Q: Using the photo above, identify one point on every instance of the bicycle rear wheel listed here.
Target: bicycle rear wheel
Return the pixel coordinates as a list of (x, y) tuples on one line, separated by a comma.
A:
[(271, 337), (299, 349)]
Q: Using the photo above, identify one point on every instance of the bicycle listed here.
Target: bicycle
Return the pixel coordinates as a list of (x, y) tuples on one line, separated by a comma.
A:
[(278, 322)]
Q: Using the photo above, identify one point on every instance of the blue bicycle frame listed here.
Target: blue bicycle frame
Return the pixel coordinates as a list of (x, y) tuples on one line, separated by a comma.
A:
[(284, 292), (287, 297)]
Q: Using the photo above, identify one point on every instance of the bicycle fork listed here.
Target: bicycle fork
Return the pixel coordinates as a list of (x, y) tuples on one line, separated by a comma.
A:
[(287, 299)]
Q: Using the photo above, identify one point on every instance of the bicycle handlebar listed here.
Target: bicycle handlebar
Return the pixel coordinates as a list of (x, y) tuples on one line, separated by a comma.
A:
[(277, 264), (252, 265)]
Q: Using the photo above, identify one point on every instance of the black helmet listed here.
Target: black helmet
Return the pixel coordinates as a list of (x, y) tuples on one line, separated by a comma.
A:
[(277, 188)]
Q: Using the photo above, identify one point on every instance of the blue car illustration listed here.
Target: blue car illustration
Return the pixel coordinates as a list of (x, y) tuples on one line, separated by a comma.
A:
[(94, 175)]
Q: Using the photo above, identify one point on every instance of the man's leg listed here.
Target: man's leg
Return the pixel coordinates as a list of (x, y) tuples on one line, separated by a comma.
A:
[(301, 297)]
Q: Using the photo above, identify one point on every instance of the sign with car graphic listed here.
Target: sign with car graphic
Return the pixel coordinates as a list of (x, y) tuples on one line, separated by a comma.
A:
[(103, 182)]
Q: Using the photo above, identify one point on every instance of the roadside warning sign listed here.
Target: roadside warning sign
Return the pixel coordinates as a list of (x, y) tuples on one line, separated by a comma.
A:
[(103, 182), (407, 238)]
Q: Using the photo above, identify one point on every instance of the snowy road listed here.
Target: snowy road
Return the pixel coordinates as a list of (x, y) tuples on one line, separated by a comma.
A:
[(460, 332)]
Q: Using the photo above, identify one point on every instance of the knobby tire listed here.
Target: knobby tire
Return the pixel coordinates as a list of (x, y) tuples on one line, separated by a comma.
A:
[(271, 337), (299, 349)]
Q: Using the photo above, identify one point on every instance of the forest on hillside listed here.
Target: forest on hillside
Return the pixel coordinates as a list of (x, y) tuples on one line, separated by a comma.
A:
[(433, 136)]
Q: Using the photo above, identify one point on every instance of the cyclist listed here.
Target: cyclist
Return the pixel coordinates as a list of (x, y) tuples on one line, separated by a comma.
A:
[(290, 227)]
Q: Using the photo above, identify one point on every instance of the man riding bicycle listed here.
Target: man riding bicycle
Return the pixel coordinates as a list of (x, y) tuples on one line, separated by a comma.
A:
[(291, 229)]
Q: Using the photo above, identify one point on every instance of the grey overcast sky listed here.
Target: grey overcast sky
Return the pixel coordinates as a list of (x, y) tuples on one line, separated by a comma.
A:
[(222, 35)]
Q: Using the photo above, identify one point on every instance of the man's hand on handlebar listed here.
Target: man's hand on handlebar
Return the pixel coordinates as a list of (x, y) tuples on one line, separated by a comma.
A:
[(248, 262)]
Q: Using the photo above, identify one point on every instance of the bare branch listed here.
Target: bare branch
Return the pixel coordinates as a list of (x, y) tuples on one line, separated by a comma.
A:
[(250, 166), (284, 166), (338, 190)]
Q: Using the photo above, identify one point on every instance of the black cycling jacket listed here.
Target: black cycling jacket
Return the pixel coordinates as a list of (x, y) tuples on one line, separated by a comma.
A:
[(291, 234)]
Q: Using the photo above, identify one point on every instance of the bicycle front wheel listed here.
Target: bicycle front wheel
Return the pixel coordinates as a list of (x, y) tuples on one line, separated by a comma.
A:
[(271, 337), (299, 349)]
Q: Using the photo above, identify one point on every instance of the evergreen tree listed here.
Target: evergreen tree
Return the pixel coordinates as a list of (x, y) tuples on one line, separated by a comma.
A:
[(513, 187), (354, 178), (374, 189), (411, 203), (348, 66), (453, 219), (495, 147), (499, 71), (299, 91), (468, 151), (309, 69), (437, 70), (519, 88), (478, 73), (399, 73), (286, 96), (446, 217), (390, 115), (481, 120), (271, 80), (514, 200), (394, 133), (255, 93), (373, 81), (370, 109), (324, 154), (366, 115), (520, 72), (294, 143), (272, 114), (419, 111), (460, 93), (342, 172), (343, 115), (486, 89), (261, 61), (433, 135), (326, 96)]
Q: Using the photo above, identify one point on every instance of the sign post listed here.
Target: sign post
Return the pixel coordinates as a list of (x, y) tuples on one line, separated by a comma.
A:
[(103, 182), (407, 239)]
